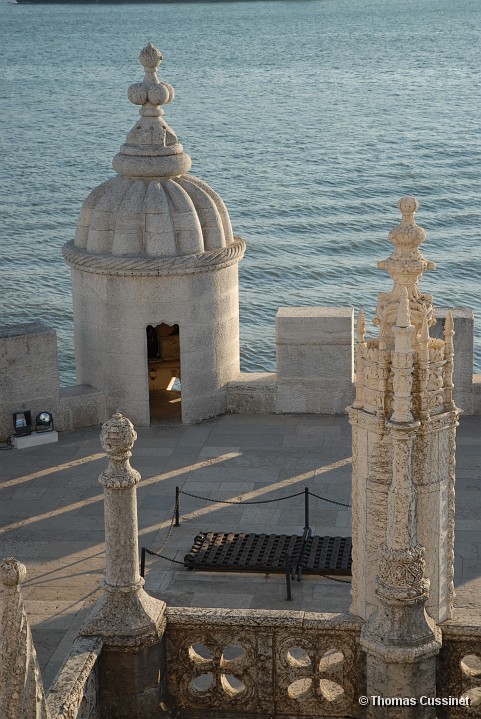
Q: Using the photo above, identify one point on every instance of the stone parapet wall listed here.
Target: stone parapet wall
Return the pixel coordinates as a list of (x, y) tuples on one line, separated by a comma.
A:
[(247, 663), (459, 669), (80, 406), (28, 372), (314, 372), (74, 693)]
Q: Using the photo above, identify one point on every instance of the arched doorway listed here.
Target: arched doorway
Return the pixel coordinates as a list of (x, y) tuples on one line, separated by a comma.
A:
[(163, 357)]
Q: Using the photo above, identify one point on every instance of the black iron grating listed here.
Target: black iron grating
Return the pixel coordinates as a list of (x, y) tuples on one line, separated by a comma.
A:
[(241, 552)]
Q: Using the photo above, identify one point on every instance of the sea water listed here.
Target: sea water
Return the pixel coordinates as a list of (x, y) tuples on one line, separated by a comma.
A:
[(311, 118)]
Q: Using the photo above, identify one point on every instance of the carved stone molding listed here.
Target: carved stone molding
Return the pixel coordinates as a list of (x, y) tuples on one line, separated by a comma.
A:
[(401, 573), (142, 266)]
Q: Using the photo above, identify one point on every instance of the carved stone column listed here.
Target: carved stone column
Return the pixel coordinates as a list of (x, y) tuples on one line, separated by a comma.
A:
[(130, 621), (21, 689), (417, 373), (404, 424)]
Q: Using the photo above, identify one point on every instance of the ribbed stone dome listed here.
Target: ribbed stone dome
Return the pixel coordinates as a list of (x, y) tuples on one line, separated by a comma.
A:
[(152, 210), (160, 217)]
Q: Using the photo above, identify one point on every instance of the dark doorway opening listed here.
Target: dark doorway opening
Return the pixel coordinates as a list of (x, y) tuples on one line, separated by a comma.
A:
[(163, 357)]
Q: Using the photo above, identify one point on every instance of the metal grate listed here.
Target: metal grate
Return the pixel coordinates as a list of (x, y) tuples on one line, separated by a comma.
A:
[(240, 552), (327, 555)]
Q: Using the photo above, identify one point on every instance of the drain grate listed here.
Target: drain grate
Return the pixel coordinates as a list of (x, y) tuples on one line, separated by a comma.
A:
[(246, 552), (327, 555)]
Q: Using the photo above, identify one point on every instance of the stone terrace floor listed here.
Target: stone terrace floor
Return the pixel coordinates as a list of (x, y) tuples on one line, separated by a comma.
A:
[(51, 515)]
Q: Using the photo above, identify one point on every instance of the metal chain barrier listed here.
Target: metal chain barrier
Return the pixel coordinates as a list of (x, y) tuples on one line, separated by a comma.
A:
[(172, 524), (156, 554), (332, 501), (239, 501)]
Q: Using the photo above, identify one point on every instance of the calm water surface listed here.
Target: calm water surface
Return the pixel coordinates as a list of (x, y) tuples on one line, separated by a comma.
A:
[(310, 118)]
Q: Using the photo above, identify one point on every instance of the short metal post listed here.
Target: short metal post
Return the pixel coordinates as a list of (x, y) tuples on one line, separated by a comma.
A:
[(287, 564), (307, 529), (177, 500), (142, 562)]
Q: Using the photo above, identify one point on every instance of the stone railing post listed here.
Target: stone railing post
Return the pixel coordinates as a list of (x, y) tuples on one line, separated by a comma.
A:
[(130, 622), (21, 688)]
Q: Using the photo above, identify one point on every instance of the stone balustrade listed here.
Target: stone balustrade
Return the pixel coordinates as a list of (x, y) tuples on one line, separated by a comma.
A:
[(262, 662), (75, 691)]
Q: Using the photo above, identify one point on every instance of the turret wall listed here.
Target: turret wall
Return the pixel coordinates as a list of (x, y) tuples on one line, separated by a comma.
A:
[(110, 319)]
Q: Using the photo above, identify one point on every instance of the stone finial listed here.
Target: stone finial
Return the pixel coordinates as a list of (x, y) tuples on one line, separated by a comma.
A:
[(117, 439), (12, 572), (21, 690), (406, 264), (152, 148), (151, 93)]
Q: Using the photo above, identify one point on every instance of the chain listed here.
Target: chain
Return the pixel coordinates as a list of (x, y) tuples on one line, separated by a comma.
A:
[(332, 501), (335, 579), (171, 526), (169, 559), (229, 501)]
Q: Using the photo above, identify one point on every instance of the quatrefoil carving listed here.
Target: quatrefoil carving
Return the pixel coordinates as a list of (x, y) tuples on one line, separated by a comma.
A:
[(326, 668), (471, 671), (217, 668)]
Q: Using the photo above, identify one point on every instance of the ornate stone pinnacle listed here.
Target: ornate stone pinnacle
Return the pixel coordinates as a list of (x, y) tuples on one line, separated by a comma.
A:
[(152, 148), (406, 264), (117, 438), (12, 572)]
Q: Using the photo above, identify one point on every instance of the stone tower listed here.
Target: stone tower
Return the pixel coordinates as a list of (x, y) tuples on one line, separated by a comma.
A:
[(404, 422), (154, 273)]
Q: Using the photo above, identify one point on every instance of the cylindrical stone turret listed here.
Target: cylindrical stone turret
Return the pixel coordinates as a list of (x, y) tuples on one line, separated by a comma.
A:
[(154, 274)]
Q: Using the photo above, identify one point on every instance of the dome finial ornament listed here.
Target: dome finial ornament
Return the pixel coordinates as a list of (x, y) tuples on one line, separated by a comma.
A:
[(152, 148)]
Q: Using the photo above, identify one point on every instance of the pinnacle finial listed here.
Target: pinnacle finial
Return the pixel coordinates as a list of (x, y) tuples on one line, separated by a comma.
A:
[(406, 264), (12, 572), (152, 148), (150, 57), (118, 435), (151, 93), (407, 236)]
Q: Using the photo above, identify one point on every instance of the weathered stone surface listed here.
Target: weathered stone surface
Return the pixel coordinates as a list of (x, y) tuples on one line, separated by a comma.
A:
[(404, 421), (74, 693), (130, 622), (252, 393), (263, 663), (28, 372), (80, 406), (21, 688)]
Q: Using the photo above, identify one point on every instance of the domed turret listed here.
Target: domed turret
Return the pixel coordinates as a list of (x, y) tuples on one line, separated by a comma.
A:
[(135, 232)]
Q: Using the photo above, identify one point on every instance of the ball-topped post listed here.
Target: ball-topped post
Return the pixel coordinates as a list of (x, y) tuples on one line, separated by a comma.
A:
[(129, 620), (12, 573), (21, 689), (122, 607), (120, 506)]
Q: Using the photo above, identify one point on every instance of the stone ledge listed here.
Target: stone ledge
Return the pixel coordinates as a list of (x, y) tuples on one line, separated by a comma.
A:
[(80, 406), (252, 393), (68, 687)]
